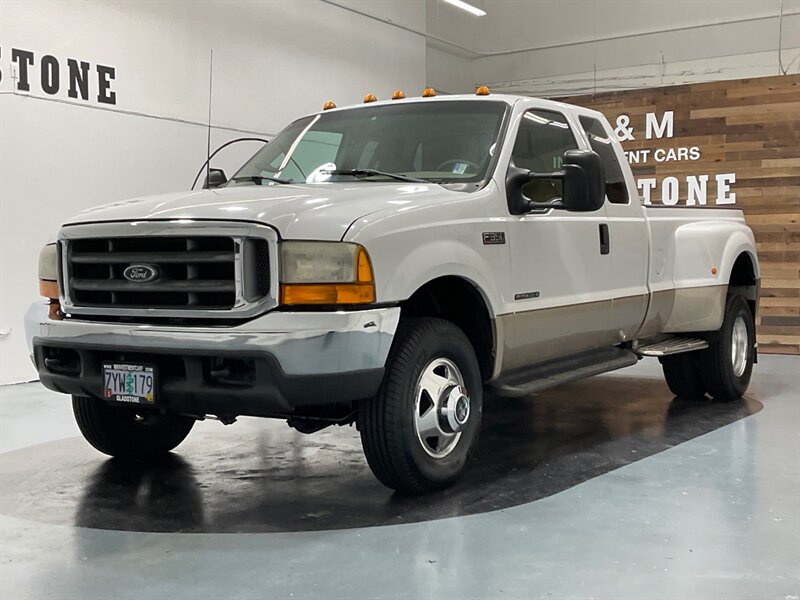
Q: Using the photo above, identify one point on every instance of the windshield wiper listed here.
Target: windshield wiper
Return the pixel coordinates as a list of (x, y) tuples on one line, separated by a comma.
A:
[(260, 178), (370, 172)]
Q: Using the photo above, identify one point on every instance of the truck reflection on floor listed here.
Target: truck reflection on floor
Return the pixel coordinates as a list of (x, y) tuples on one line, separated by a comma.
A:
[(272, 478)]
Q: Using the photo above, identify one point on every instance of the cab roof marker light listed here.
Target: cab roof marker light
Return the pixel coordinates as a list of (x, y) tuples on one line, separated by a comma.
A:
[(329, 105), (474, 10), (428, 92), (398, 95), (482, 90), (370, 98)]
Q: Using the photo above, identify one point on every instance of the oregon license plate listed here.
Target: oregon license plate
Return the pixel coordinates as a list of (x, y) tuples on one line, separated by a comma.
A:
[(127, 382)]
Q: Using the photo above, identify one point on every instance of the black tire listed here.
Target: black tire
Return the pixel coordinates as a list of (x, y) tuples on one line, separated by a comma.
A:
[(125, 432), (716, 363), (683, 376), (394, 450)]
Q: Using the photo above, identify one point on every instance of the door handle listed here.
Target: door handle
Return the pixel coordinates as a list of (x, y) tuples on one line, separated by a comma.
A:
[(605, 239)]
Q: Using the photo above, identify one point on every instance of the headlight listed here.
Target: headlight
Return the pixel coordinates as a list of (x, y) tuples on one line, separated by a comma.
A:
[(326, 273), (48, 272)]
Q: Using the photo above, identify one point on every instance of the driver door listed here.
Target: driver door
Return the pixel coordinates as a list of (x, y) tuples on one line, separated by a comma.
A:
[(560, 274)]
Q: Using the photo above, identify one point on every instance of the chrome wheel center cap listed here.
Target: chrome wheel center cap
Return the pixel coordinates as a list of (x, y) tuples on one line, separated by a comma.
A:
[(454, 409)]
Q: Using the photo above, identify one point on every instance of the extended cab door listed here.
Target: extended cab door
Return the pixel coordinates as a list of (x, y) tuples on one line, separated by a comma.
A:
[(561, 292), (628, 240)]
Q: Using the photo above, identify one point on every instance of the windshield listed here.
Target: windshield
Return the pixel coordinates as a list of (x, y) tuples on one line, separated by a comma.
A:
[(442, 142)]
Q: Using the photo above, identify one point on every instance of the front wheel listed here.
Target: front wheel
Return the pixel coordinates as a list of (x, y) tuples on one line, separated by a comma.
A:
[(125, 432), (420, 429)]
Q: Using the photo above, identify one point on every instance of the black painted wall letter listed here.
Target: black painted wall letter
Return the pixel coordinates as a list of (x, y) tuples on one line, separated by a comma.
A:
[(51, 80), (104, 76), (24, 59), (78, 78)]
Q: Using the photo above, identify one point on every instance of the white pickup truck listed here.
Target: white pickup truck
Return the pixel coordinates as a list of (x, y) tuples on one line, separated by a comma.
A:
[(384, 265)]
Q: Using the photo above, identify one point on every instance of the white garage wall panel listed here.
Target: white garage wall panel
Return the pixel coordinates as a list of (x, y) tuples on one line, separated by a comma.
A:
[(273, 62)]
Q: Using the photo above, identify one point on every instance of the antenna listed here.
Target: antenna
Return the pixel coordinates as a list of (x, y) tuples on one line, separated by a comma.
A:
[(208, 136)]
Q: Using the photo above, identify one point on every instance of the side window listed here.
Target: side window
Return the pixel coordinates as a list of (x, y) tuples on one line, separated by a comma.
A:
[(616, 190), (542, 139)]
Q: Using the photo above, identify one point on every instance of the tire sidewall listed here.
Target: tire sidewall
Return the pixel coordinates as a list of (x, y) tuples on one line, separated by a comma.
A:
[(447, 343), (737, 307)]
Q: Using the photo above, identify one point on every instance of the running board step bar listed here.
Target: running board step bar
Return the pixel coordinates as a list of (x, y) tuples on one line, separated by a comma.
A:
[(556, 372), (675, 345)]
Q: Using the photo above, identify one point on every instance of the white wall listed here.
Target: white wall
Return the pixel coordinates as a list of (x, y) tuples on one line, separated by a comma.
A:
[(447, 71), (557, 47), (273, 62)]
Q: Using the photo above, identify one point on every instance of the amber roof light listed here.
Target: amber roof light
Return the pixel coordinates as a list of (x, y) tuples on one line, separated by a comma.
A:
[(329, 105), (398, 95), (482, 91), (428, 92), (370, 98)]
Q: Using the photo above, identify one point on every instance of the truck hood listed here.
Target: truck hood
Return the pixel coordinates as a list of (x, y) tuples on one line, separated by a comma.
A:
[(307, 211)]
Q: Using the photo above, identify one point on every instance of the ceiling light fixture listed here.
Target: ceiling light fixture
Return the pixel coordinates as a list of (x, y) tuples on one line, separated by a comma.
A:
[(467, 7)]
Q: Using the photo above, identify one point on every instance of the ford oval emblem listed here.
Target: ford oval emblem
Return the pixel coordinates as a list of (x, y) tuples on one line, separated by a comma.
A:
[(141, 273)]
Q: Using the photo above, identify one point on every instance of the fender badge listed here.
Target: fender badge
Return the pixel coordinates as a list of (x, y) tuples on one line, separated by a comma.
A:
[(526, 295), (491, 238)]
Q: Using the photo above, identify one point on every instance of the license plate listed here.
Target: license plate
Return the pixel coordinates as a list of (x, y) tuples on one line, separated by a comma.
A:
[(126, 382)]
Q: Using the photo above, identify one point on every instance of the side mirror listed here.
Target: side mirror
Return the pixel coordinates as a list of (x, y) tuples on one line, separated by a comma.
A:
[(582, 179), (215, 178)]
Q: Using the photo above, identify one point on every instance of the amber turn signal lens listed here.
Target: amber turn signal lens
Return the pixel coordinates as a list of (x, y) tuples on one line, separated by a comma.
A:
[(328, 293), (48, 289), (329, 105), (398, 95), (370, 98), (428, 92), (363, 268), (482, 91)]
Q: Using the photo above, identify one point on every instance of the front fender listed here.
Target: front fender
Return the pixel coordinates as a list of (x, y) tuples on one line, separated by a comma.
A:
[(440, 258)]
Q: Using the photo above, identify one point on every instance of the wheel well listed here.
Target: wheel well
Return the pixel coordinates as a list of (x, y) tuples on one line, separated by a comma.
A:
[(458, 301), (743, 280)]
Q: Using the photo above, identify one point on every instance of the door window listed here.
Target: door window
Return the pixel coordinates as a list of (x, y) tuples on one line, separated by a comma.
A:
[(616, 190), (542, 139)]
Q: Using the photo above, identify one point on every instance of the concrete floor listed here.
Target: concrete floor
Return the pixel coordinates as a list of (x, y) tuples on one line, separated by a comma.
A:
[(606, 488)]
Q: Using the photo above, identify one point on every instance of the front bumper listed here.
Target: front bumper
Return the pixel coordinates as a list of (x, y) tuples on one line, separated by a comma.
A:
[(278, 364)]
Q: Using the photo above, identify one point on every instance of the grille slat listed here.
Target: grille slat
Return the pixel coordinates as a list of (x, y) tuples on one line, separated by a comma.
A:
[(193, 272), (144, 257), (189, 285)]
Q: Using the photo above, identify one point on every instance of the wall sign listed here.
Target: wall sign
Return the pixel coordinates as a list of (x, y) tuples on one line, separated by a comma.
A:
[(734, 144), (49, 75), (668, 190)]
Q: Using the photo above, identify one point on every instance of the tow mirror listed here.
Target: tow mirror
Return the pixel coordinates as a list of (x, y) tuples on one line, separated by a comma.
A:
[(582, 180), (215, 178)]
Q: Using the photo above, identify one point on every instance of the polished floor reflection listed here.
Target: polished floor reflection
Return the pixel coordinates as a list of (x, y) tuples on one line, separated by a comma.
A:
[(608, 489), (261, 476)]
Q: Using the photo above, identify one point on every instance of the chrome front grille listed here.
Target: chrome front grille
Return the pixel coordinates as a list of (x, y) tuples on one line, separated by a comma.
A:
[(195, 272), (187, 269)]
